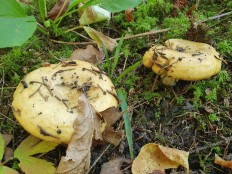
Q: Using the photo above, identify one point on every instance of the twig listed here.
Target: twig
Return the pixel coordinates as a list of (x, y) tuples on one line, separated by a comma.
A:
[(126, 37), (217, 16), (95, 162)]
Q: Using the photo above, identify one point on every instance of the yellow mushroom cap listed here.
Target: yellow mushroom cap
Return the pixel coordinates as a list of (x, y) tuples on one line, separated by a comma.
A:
[(46, 103), (183, 60)]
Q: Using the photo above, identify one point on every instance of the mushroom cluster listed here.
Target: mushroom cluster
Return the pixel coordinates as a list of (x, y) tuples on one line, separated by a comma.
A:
[(181, 59), (46, 101)]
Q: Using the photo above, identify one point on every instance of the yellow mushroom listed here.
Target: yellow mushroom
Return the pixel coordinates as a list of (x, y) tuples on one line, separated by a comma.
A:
[(46, 101), (183, 60)]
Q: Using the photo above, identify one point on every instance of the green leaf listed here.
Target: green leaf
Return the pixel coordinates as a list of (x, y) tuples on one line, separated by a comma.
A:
[(2, 146), (31, 146), (11, 8), (127, 120), (32, 165), (119, 5), (7, 170), (113, 5), (15, 27), (42, 9)]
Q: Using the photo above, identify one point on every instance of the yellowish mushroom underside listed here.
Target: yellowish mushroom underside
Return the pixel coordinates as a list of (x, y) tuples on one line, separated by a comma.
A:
[(46, 102), (183, 60)]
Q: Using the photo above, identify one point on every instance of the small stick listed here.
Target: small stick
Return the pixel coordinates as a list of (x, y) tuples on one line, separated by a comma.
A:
[(126, 37)]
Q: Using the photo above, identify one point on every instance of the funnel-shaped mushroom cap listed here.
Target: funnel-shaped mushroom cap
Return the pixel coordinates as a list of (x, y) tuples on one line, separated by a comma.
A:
[(46, 103)]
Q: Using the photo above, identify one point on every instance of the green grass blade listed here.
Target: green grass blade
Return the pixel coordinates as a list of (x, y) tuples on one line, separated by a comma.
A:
[(42, 9), (128, 70), (116, 56), (127, 120), (2, 146)]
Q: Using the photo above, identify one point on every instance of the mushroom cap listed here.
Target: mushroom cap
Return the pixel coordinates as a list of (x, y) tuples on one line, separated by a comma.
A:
[(183, 60), (46, 103)]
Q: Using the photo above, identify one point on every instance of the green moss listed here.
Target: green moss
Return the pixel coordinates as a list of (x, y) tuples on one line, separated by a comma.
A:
[(146, 16), (179, 26), (208, 89)]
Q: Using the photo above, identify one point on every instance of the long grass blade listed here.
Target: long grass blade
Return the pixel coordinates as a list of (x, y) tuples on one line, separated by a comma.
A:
[(127, 120), (127, 71), (42, 9), (116, 56)]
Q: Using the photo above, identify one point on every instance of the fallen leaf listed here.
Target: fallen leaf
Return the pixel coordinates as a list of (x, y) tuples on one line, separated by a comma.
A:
[(7, 138), (112, 136), (77, 159), (59, 9), (222, 162), (8, 153), (110, 115), (114, 166), (156, 157), (89, 54), (102, 40), (7, 170), (94, 14), (129, 15), (31, 146)]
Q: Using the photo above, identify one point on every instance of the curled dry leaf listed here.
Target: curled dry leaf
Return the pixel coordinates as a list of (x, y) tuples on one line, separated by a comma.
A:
[(102, 40), (110, 116), (59, 9), (222, 162), (77, 159), (114, 166), (89, 54), (156, 157)]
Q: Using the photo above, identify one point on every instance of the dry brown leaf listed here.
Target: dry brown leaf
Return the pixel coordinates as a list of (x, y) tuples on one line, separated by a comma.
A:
[(89, 54), (222, 162), (77, 159), (7, 138), (156, 157), (8, 153), (112, 136), (129, 15), (114, 166), (101, 39), (111, 115), (59, 9)]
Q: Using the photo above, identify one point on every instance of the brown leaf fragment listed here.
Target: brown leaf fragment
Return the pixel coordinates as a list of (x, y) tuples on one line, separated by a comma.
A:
[(179, 5), (8, 153), (114, 166), (7, 138), (77, 159), (89, 54), (111, 115), (222, 162), (112, 136), (129, 15), (156, 157), (59, 9)]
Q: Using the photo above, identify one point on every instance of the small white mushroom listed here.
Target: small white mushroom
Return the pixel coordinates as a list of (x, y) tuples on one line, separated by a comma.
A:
[(46, 101), (183, 60)]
